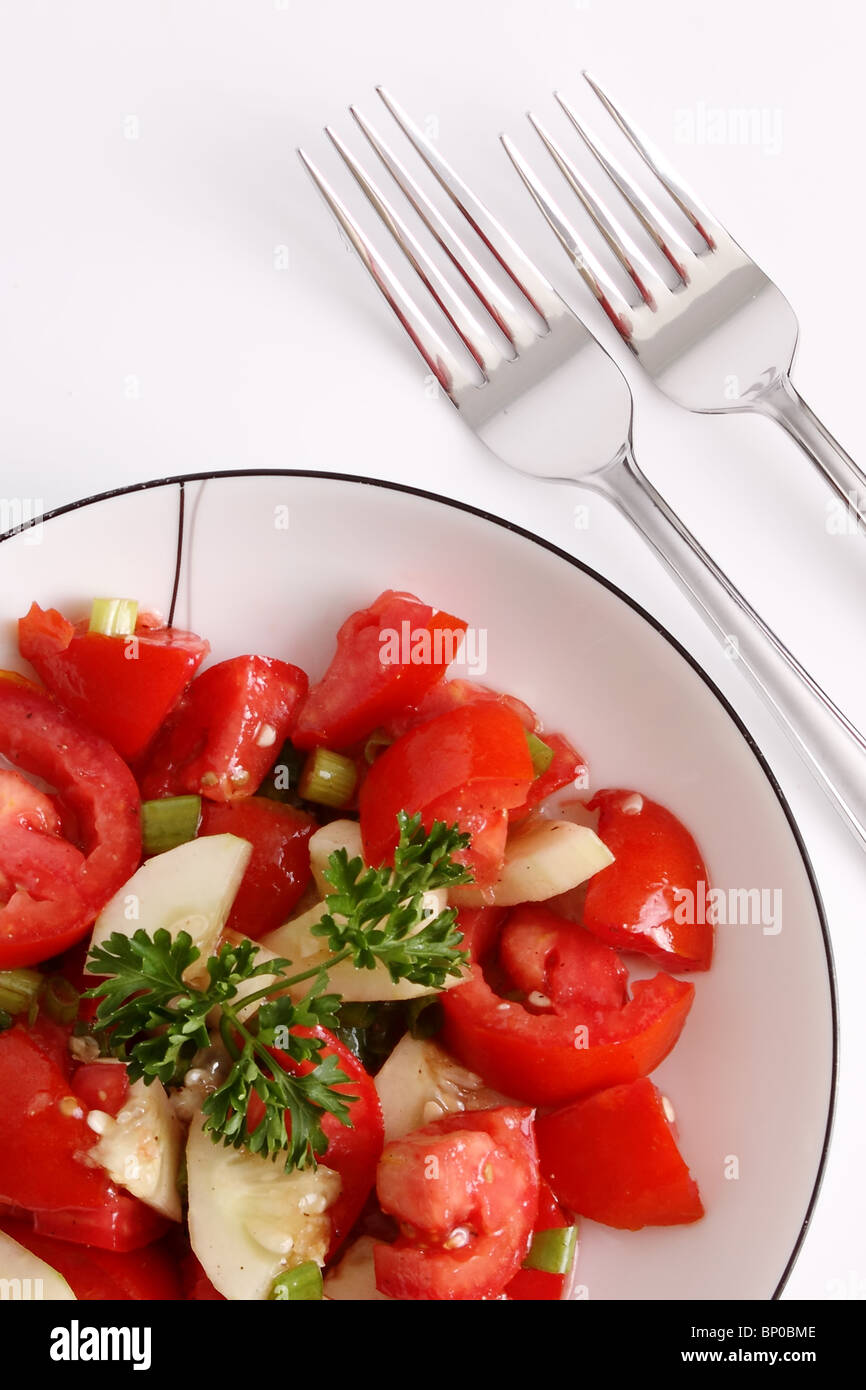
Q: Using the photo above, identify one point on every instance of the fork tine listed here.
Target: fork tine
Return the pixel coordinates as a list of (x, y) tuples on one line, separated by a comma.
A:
[(472, 332), (442, 361), (516, 264), (624, 248), (700, 216), (651, 217), (614, 304), (516, 325)]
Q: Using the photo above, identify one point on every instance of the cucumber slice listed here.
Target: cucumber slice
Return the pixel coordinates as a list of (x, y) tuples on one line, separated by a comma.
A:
[(249, 1220), (24, 1277), (420, 1082), (139, 1148), (296, 942), (543, 858), (340, 834), (190, 888), (251, 986)]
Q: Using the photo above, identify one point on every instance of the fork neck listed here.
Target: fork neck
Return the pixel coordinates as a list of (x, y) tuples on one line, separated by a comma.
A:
[(833, 749), (784, 404)]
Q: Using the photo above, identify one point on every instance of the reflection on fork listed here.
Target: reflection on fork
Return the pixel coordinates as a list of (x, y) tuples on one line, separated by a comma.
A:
[(529, 378), (715, 333)]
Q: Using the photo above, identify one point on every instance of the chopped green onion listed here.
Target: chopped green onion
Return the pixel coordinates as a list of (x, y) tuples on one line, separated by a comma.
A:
[(114, 617), (169, 822), (376, 744), (19, 990), (328, 778), (60, 999), (540, 752), (302, 1282), (552, 1251), (6, 1020)]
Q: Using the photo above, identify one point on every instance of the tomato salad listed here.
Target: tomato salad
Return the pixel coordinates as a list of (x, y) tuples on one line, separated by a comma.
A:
[(316, 991)]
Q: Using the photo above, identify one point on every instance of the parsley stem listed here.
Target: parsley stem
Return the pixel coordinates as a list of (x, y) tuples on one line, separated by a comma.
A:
[(226, 1021), (230, 1019), (286, 981)]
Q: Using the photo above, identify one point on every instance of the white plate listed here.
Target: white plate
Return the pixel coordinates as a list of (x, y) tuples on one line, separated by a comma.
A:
[(273, 563)]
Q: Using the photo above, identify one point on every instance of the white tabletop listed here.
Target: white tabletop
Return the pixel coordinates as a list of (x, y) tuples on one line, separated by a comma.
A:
[(176, 299)]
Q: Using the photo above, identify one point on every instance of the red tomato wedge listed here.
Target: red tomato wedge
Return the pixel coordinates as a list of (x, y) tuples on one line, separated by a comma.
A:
[(614, 1158), (52, 1040), (567, 767), (43, 866), (44, 1175), (57, 888), (197, 1287), (469, 765), (547, 1058), (448, 695), (644, 900), (101, 1086), (541, 1285), (24, 805), (122, 687), (353, 1150), (279, 868), (546, 954), (479, 818), (226, 731), (93, 1275), (388, 656), (465, 1192)]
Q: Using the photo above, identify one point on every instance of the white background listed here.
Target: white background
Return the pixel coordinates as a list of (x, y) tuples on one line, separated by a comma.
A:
[(175, 298)]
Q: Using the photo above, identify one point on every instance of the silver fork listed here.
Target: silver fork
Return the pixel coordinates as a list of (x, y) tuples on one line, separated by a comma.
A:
[(547, 399), (721, 337)]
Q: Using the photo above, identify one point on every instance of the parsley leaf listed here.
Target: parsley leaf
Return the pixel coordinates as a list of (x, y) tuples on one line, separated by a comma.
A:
[(379, 914), (279, 1087)]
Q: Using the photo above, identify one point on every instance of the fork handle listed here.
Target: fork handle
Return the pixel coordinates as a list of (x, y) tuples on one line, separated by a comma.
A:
[(783, 403), (833, 749)]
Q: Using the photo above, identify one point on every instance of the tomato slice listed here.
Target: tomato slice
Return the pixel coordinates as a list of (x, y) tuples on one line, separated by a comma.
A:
[(547, 1058), (197, 1287), (39, 864), (448, 695), (388, 656), (465, 1192), (614, 1158), (101, 1086), (644, 900), (149, 1274), (226, 730), (471, 763), (279, 867), (473, 809), (353, 1150), (567, 766), (57, 889), (24, 805), (545, 954), (541, 1285), (122, 687), (44, 1175)]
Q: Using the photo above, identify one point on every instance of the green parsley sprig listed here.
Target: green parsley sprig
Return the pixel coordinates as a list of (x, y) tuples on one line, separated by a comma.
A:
[(158, 1020)]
